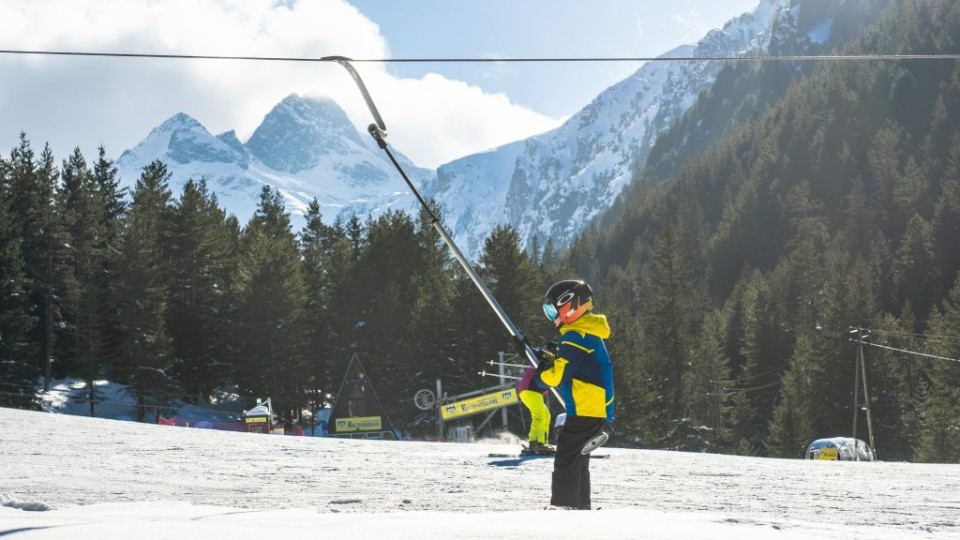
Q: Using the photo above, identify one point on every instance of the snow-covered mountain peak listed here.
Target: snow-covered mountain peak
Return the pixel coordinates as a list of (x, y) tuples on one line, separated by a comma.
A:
[(299, 131), (182, 139), (306, 148), (177, 122)]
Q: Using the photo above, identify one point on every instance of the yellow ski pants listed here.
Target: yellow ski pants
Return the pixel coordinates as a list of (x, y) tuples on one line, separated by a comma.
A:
[(540, 416)]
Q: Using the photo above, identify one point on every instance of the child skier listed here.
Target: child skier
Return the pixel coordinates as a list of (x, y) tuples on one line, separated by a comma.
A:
[(582, 371), (532, 394)]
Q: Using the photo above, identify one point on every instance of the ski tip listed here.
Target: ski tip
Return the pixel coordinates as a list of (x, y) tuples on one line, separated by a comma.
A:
[(595, 443)]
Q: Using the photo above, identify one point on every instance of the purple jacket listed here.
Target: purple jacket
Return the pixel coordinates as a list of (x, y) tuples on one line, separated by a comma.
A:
[(527, 381)]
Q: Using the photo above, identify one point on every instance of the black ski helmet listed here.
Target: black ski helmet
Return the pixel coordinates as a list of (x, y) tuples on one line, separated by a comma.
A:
[(567, 300)]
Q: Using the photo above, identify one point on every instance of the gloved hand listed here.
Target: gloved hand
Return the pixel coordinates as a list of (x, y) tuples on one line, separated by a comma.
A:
[(547, 351), (545, 359)]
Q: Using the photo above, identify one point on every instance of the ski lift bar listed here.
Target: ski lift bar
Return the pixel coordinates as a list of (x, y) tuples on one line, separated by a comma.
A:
[(378, 131), (485, 374), (505, 364), (381, 127)]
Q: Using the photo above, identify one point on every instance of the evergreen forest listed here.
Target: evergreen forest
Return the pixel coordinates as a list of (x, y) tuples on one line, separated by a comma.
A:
[(743, 274)]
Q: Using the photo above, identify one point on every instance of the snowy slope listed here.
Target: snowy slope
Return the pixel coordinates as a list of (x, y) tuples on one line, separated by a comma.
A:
[(306, 148), (88, 478), (472, 193), (564, 178)]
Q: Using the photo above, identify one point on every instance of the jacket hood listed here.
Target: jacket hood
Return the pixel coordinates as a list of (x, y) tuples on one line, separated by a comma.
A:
[(589, 323)]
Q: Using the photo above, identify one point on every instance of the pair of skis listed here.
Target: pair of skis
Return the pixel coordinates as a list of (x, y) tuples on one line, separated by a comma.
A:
[(378, 130)]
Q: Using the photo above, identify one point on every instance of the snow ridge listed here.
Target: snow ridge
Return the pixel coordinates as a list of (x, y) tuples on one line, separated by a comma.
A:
[(562, 179)]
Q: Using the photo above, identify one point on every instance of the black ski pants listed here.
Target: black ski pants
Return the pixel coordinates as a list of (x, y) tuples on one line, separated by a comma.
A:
[(571, 469)]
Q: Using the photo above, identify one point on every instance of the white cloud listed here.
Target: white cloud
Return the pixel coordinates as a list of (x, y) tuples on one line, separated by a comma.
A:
[(690, 25), (460, 114), (87, 101)]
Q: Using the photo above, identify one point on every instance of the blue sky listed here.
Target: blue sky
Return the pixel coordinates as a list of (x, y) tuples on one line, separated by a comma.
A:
[(557, 28), (435, 112)]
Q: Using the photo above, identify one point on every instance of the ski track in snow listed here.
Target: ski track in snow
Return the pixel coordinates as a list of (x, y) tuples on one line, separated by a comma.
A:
[(105, 476)]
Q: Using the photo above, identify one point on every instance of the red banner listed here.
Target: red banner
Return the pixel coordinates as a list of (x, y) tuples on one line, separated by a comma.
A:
[(225, 426)]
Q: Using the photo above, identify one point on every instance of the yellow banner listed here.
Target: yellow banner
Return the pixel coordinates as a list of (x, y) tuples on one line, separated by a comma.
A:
[(828, 454), (255, 419), (486, 402), (364, 423)]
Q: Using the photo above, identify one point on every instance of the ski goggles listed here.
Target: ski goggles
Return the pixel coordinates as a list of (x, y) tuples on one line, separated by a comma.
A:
[(550, 311)]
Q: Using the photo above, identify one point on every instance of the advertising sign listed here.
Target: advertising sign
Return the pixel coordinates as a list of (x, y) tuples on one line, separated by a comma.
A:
[(364, 423), (479, 404)]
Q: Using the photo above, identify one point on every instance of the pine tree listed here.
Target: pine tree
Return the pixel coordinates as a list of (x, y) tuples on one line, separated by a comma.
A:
[(200, 261), (432, 312), (709, 368), (356, 233), (629, 380), (548, 259), (765, 346), (860, 227), (914, 272), (145, 359), (850, 300), (32, 186), (339, 259), (946, 221), (670, 324), (884, 160), (268, 360), (85, 298), (327, 268), (792, 427), (388, 291), (110, 199), (18, 368), (510, 275), (939, 439), (896, 387), (47, 281)]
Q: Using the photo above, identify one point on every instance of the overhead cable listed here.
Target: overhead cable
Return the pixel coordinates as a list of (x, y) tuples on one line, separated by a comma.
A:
[(724, 391), (948, 340), (906, 351), (437, 60)]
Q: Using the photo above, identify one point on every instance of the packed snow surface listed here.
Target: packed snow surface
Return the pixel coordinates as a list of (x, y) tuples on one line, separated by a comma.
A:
[(88, 478)]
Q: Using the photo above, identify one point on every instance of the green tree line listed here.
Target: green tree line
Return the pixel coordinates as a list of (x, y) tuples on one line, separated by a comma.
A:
[(173, 297)]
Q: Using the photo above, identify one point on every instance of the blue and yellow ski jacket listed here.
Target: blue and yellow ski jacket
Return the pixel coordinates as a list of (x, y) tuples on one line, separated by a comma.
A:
[(582, 371)]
